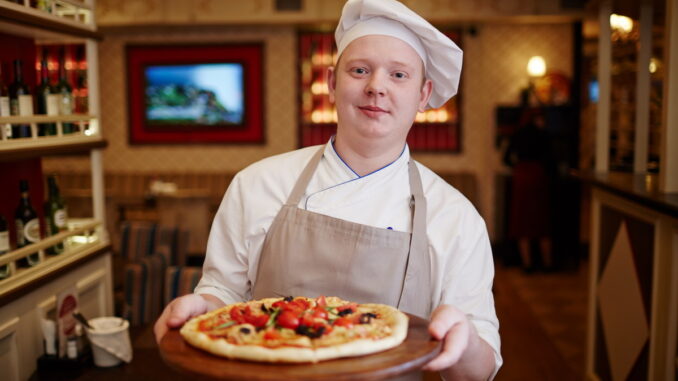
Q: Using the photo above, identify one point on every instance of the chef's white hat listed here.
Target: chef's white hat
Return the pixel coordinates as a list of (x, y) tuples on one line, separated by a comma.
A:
[(442, 58)]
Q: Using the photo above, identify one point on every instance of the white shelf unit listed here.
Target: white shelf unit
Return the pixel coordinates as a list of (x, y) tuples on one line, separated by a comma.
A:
[(28, 294), (69, 13), (86, 139)]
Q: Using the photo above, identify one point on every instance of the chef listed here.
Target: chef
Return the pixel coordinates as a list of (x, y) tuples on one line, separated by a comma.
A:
[(357, 217)]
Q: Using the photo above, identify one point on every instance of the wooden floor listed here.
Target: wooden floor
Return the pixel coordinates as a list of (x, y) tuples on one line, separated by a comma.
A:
[(542, 321), (542, 326)]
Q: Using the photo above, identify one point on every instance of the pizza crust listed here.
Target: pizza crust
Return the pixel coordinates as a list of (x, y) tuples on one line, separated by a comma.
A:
[(393, 330), (395, 319)]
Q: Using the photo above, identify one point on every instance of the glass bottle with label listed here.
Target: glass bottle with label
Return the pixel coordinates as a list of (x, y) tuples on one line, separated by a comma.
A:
[(4, 106), (27, 225), (47, 100), (20, 101), (43, 5), (81, 93), (65, 93), (4, 245), (55, 214)]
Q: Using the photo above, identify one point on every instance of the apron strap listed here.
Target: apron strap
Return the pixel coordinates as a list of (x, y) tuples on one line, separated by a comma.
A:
[(305, 178), (417, 277)]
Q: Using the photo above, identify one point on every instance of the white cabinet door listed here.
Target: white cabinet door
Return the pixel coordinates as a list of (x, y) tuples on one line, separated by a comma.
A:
[(9, 350)]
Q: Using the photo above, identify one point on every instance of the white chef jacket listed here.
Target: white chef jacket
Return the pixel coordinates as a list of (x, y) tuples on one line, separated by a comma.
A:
[(462, 268)]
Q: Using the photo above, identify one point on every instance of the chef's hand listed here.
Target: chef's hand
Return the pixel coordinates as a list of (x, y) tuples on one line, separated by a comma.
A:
[(464, 355), (179, 310)]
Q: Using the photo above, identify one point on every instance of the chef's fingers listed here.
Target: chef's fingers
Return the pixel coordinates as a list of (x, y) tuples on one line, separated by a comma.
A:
[(454, 345), (184, 308), (442, 319), (160, 327), (177, 312)]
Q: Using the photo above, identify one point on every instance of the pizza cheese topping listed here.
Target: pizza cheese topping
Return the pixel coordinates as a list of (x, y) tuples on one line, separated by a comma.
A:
[(297, 329), (276, 321)]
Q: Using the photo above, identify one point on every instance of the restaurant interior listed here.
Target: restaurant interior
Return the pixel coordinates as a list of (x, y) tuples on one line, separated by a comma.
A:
[(139, 163)]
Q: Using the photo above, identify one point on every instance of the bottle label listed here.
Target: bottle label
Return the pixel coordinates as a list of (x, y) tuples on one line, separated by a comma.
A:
[(32, 230), (25, 105), (7, 131), (60, 218), (14, 106), (43, 5), (4, 242), (72, 349), (4, 106), (66, 104), (52, 104)]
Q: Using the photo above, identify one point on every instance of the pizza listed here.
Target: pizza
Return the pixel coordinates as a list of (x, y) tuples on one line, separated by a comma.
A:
[(297, 329)]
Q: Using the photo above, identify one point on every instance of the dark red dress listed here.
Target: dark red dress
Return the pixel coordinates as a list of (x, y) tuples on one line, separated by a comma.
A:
[(529, 213)]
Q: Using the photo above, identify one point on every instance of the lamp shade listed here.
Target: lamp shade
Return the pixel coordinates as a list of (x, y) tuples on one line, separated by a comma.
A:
[(536, 67)]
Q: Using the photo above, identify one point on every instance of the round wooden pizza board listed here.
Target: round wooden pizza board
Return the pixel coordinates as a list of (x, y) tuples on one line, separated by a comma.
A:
[(412, 354)]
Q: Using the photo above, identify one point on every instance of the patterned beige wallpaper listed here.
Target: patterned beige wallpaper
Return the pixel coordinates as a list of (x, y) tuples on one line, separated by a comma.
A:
[(190, 12), (494, 71)]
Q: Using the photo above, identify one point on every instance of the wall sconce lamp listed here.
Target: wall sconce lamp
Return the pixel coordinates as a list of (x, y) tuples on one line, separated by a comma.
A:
[(536, 66), (655, 64), (621, 23), (622, 29)]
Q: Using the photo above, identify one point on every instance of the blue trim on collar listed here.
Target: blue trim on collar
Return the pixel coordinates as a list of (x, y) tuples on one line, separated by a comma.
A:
[(347, 166), (354, 172), (340, 158)]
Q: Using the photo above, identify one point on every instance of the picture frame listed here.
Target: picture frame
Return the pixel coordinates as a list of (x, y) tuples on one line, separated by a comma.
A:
[(197, 93)]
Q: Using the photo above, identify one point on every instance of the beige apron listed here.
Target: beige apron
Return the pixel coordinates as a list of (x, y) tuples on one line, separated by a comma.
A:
[(310, 254)]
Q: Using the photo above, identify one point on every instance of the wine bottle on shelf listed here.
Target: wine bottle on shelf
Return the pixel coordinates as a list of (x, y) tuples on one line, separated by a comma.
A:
[(65, 93), (4, 106), (55, 214), (43, 5), (27, 225), (81, 92), (4, 245), (47, 100), (20, 101)]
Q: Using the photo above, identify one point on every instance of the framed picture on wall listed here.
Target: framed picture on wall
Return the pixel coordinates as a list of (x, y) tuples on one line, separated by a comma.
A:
[(180, 94)]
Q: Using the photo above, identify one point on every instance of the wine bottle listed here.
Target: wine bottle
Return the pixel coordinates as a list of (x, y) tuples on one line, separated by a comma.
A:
[(43, 5), (65, 93), (4, 245), (81, 93), (27, 225), (20, 101), (47, 100), (4, 105), (55, 214)]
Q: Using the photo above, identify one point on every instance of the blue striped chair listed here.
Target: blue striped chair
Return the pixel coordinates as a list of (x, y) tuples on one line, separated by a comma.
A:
[(137, 240), (148, 251), (143, 289), (180, 280)]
